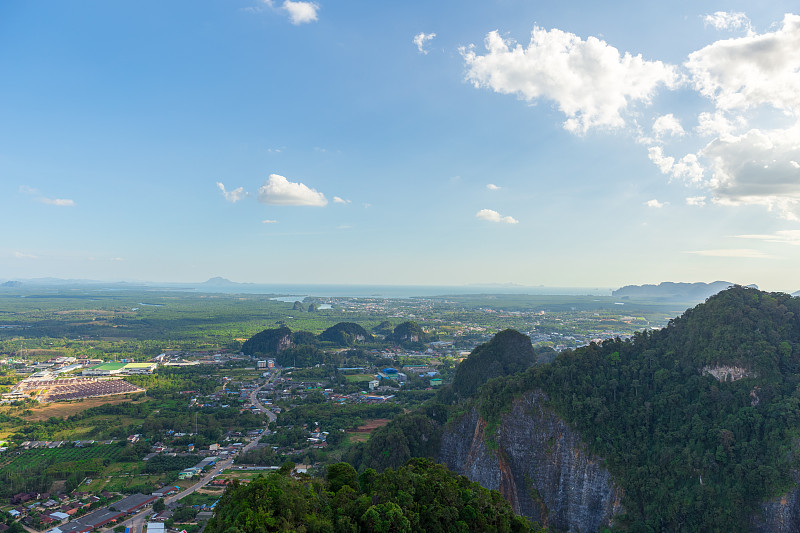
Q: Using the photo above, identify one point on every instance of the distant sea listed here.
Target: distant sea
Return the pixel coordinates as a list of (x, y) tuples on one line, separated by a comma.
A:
[(290, 292), (398, 291)]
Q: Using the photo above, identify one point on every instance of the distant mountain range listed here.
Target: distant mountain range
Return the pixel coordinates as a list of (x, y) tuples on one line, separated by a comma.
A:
[(683, 292)]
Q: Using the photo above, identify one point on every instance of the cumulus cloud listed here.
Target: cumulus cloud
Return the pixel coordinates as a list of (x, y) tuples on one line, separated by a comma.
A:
[(268, 221), (751, 71), (787, 236), (744, 253), (718, 124), (61, 202), (493, 187), (724, 20), (421, 39), (757, 168), (655, 203), (279, 191), (301, 12), (491, 215), (589, 80), (667, 125), (234, 195), (687, 167), (744, 148), (338, 200)]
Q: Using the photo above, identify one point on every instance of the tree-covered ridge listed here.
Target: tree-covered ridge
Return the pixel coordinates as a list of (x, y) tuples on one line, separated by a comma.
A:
[(277, 341), (409, 334), (345, 334), (269, 341), (690, 452), (416, 434), (507, 353), (420, 496)]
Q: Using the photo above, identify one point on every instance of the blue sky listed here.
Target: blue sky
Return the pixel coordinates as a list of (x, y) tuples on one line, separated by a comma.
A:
[(555, 143)]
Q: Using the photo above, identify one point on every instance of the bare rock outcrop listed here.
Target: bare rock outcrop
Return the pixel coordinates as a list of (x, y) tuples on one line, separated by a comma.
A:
[(538, 463)]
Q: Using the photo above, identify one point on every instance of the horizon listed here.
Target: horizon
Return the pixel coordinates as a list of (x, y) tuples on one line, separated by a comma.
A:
[(572, 145), (219, 284)]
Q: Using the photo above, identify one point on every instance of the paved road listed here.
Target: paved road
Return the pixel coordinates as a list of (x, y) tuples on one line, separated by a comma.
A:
[(136, 521), (254, 400)]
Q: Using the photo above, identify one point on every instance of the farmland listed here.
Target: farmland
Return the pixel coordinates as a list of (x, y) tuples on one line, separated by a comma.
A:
[(37, 469)]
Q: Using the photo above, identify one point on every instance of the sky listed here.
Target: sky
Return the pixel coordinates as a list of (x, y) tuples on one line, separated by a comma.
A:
[(580, 144)]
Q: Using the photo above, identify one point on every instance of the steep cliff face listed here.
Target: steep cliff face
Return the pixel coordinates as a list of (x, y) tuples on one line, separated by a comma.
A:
[(539, 465), (780, 515)]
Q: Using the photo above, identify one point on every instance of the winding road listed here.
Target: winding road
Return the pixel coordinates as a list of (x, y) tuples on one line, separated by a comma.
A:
[(136, 521)]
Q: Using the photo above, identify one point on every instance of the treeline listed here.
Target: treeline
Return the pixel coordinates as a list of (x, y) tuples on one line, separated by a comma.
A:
[(420, 496), (331, 415)]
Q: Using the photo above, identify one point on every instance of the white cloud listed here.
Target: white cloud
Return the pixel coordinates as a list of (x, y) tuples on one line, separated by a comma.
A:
[(655, 203), (493, 187), (667, 125), (751, 71), (723, 20), (756, 168), (787, 236), (589, 80), (268, 221), (280, 191), (687, 168), (421, 38), (24, 189), (744, 253), (698, 201), (301, 12), (338, 200), (61, 202), (493, 216), (22, 255), (718, 124), (234, 195)]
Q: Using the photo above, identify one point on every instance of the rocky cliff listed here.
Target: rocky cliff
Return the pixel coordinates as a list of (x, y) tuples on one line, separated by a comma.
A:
[(538, 464), (780, 515)]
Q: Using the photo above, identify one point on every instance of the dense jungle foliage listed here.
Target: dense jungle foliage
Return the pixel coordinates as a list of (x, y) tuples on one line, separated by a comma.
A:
[(345, 334), (304, 347), (420, 496), (691, 452), (507, 353)]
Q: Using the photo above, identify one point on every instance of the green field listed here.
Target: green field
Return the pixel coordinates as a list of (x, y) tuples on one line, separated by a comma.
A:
[(357, 378)]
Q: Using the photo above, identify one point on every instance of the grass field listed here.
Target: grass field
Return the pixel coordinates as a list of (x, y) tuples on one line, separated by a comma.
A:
[(65, 409), (359, 377), (363, 432)]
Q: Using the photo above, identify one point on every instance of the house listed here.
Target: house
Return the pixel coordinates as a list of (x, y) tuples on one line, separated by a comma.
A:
[(132, 503)]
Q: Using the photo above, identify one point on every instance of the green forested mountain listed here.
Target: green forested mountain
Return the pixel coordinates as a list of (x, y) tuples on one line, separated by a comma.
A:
[(698, 422), (345, 334), (692, 453), (507, 353), (269, 341), (408, 334), (420, 496)]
